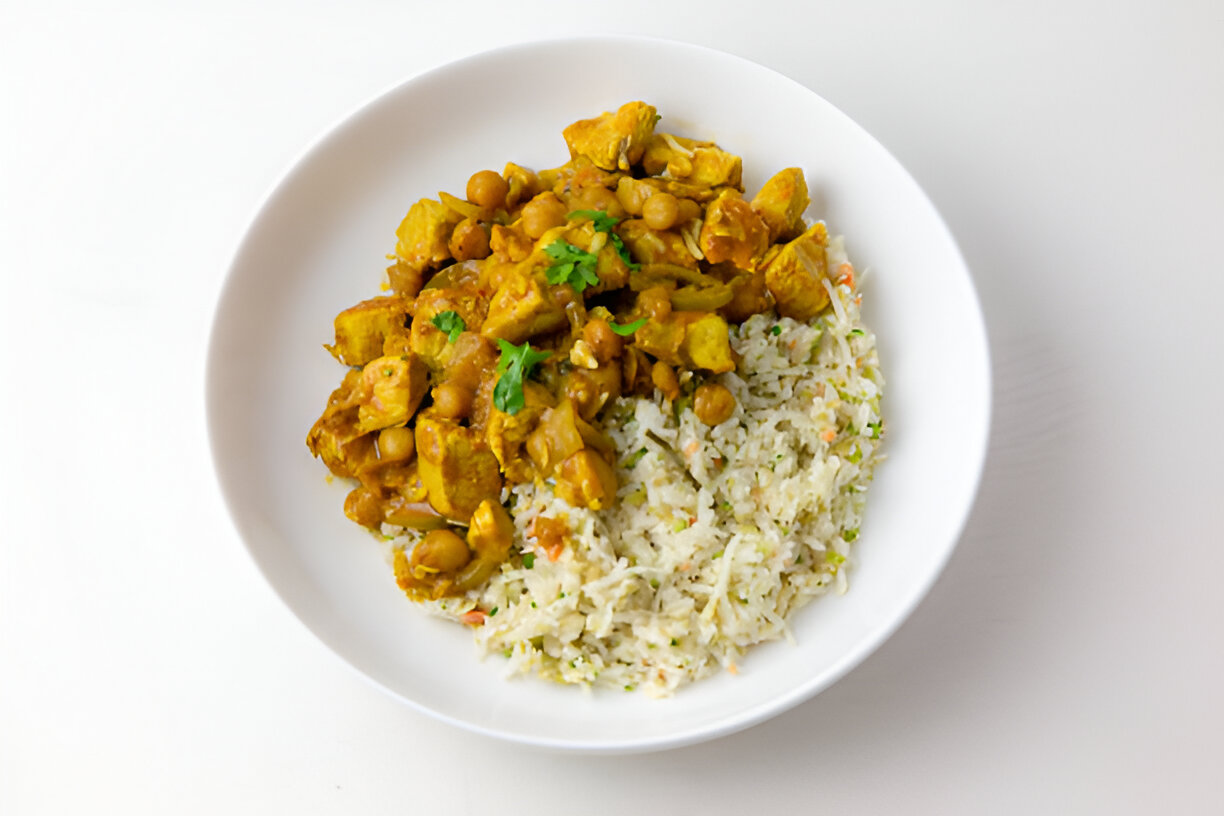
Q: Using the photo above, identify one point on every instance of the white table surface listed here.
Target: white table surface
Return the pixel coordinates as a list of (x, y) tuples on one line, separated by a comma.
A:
[(1070, 659)]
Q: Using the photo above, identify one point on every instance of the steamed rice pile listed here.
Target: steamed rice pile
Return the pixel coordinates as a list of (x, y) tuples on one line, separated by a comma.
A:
[(717, 533)]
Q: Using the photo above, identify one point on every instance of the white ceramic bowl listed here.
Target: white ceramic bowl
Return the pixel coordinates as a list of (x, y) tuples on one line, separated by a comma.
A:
[(318, 245)]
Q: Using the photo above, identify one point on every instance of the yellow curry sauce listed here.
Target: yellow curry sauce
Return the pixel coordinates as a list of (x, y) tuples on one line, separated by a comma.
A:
[(521, 311)]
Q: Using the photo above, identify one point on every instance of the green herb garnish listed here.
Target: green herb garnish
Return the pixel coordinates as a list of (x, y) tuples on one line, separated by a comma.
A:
[(529, 560), (874, 427), (492, 611), (856, 332), (634, 458), (451, 323), (571, 265), (604, 223), (628, 328), (775, 331), (515, 365), (850, 535)]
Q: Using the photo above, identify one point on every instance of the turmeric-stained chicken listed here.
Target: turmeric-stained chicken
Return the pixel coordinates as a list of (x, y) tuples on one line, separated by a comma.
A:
[(520, 312)]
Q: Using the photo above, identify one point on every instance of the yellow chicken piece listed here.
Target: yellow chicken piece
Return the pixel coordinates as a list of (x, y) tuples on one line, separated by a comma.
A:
[(689, 339), (362, 329), (781, 203), (391, 389), (423, 241), (586, 480), (456, 467), (613, 141), (650, 246), (490, 534), (525, 305), (507, 434), (733, 232), (429, 342), (794, 275), (335, 437), (702, 164)]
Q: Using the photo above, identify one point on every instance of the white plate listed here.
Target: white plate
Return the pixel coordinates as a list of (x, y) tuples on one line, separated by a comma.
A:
[(318, 245)]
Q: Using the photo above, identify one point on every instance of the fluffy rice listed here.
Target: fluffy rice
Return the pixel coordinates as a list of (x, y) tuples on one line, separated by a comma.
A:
[(676, 581)]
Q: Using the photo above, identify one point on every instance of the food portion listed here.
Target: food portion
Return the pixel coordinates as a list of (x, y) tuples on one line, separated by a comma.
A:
[(616, 416)]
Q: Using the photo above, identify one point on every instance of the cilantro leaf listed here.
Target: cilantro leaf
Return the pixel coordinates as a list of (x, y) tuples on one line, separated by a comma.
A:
[(628, 328), (516, 364), (451, 323), (571, 265), (604, 223)]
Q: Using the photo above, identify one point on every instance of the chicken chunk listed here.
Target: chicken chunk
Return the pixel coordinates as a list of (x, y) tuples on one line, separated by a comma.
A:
[(335, 437), (506, 434), (422, 245), (429, 342), (650, 246), (613, 141), (362, 329), (781, 202), (702, 164), (457, 468), (794, 275), (525, 305), (733, 232), (490, 535), (586, 480), (391, 389), (689, 339)]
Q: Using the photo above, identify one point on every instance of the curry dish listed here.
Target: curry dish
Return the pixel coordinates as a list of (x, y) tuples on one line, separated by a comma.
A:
[(520, 312)]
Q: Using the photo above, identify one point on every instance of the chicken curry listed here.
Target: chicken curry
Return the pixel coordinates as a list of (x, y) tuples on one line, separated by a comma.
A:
[(518, 313)]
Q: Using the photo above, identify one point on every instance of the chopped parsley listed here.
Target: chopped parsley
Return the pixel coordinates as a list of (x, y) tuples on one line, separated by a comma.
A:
[(451, 323), (604, 223), (515, 365), (775, 331), (571, 265), (628, 328), (529, 560), (674, 642), (492, 611)]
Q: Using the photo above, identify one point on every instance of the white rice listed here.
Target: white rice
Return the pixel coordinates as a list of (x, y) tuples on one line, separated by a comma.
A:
[(676, 581)]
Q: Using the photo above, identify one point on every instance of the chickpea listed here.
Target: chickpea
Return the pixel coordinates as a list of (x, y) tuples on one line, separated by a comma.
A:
[(487, 189), (453, 401), (597, 198), (713, 404), (604, 342), (363, 506), (541, 214), (688, 210), (441, 550), (632, 194), (661, 211), (664, 379), (396, 444), (469, 241)]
